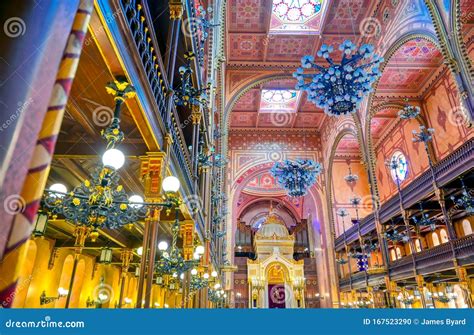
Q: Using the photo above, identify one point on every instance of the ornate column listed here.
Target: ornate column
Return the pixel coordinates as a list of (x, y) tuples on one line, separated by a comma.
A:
[(187, 234), (37, 175), (80, 233), (196, 116), (151, 172), (421, 286), (461, 272), (454, 53), (126, 256)]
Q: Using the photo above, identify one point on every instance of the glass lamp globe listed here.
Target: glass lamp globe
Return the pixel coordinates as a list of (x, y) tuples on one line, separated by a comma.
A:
[(163, 245), (113, 158), (140, 251), (138, 200), (200, 250), (171, 184), (214, 274), (206, 275), (194, 272), (196, 256), (181, 276), (217, 286), (58, 188)]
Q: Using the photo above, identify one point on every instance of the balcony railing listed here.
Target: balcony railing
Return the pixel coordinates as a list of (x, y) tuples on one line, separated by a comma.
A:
[(373, 277), (153, 68), (436, 259), (457, 163)]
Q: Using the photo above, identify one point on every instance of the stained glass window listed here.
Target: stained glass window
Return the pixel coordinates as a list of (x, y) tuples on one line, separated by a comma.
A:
[(278, 100), (294, 15), (292, 11), (402, 168)]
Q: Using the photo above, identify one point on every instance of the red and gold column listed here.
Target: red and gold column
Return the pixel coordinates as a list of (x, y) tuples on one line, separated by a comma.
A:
[(38, 172)]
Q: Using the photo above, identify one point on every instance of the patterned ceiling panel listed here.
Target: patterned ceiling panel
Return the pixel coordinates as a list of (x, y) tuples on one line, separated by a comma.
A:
[(276, 120), (289, 48), (403, 80), (246, 46), (243, 119), (348, 144), (345, 15), (249, 101), (308, 120), (418, 52), (378, 125), (248, 15), (280, 84)]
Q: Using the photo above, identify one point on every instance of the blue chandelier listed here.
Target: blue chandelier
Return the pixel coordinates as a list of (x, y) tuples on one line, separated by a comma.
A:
[(296, 176), (340, 88), (409, 112)]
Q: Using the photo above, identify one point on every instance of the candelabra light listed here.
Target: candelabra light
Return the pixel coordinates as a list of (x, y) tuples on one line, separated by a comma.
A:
[(351, 178), (409, 112), (340, 88), (466, 200), (186, 94), (62, 293), (424, 220)]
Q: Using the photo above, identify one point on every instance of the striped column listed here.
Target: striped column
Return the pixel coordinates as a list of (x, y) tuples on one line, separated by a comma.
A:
[(37, 176)]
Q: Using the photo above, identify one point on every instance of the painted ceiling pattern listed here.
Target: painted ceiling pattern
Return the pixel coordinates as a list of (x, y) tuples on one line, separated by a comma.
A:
[(254, 40)]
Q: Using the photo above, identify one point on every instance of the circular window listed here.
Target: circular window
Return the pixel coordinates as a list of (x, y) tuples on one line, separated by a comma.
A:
[(401, 171)]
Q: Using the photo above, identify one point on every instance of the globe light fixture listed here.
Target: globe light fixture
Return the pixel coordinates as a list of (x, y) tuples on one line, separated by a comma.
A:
[(340, 88), (205, 276), (217, 286), (171, 184), (113, 158), (139, 251), (214, 274), (136, 201), (58, 187), (194, 272), (200, 250), (163, 245)]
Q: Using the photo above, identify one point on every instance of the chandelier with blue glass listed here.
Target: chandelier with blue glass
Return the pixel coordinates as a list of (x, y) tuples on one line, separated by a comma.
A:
[(296, 176), (340, 88)]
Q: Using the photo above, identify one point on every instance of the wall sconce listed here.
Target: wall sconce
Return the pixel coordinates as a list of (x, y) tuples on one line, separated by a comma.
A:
[(41, 223), (105, 256), (62, 293)]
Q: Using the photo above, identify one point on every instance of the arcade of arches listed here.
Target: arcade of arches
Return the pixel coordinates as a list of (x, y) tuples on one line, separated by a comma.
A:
[(194, 103)]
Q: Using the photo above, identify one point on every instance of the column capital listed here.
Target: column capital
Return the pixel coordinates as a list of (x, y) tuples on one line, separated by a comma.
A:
[(151, 172), (176, 9)]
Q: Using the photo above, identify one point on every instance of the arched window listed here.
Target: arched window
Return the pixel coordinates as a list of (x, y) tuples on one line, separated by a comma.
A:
[(399, 252), (443, 235), (401, 171), (417, 245), (435, 239), (393, 255), (466, 227)]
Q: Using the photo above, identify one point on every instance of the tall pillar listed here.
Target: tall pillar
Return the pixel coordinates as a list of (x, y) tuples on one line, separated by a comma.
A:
[(196, 116), (461, 273), (151, 171), (420, 283), (126, 256), (19, 230)]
